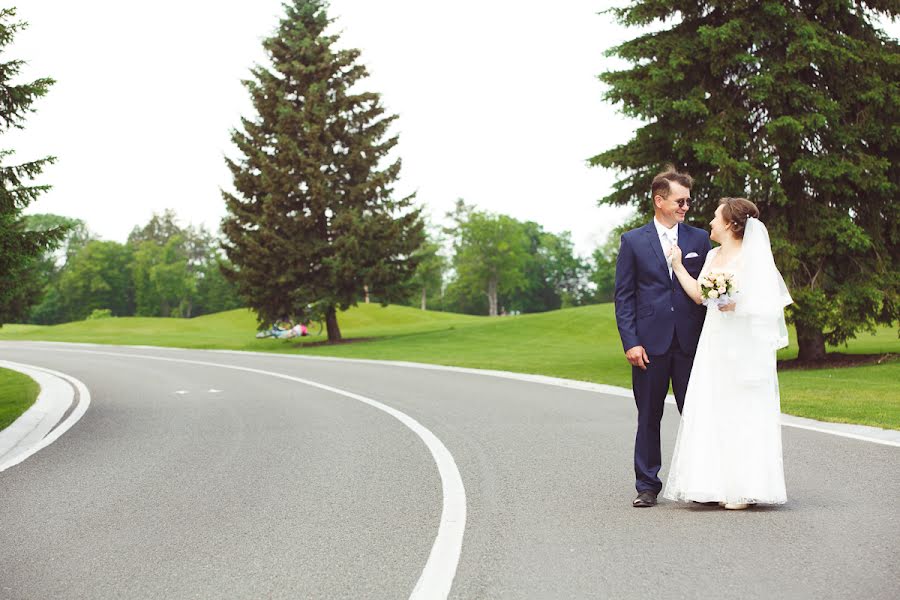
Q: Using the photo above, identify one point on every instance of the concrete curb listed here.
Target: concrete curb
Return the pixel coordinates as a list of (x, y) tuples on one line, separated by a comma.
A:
[(48, 418)]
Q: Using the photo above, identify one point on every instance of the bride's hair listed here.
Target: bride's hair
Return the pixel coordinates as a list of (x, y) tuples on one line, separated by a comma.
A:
[(736, 211)]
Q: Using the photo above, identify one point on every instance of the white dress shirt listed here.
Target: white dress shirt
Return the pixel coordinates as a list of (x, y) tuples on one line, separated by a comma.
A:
[(668, 237)]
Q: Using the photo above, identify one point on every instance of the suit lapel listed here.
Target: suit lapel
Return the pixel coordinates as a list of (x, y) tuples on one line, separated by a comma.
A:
[(682, 232), (656, 244)]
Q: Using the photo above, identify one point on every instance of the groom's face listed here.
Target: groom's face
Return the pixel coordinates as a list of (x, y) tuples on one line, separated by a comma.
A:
[(673, 208)]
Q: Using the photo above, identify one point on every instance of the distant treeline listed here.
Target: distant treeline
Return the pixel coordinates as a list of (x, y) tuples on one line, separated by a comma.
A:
[(163, 270), (482, 264)]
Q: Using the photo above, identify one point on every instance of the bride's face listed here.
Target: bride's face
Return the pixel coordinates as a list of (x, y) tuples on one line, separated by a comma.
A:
[(719, 229)]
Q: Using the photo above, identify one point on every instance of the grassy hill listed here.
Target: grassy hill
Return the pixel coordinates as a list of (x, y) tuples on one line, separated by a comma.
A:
[(579, 343)]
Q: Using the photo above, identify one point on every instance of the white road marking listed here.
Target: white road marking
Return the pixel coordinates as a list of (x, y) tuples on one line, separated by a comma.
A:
[(84, 400), (864, 433), (440, 568), (875, 435)]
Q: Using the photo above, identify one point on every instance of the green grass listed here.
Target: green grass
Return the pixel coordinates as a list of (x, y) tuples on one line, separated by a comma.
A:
[(233, 330), (579, 343), (17, 393), (864, 395)]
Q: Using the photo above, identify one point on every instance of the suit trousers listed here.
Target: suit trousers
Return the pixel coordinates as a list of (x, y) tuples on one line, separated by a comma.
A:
[(650, 390)]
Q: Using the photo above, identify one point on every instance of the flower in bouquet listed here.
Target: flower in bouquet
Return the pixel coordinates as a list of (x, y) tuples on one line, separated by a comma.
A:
[(717, 288)]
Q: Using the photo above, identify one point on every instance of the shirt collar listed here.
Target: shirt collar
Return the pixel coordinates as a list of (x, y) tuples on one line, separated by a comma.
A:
[(662, 230)]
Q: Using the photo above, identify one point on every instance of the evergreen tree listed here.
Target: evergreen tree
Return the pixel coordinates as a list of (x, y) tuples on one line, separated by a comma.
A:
[(314, 218), (795, 104), (21, 250)]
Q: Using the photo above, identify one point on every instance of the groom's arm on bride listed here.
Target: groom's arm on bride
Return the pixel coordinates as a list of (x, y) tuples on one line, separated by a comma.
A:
[(626, 305), (690, 285)]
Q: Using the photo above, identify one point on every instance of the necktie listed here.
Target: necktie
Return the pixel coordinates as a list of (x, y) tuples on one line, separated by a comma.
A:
[(671, 240)]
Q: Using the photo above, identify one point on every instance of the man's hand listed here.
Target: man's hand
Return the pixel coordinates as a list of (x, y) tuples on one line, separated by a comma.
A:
[(637, 356)]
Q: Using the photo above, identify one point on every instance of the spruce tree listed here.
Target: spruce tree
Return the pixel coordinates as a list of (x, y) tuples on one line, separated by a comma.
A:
[(314, 218), (20, 249), (794, 104)]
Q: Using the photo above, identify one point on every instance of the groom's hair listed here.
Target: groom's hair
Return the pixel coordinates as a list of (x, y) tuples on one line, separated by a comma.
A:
[(660, 185)]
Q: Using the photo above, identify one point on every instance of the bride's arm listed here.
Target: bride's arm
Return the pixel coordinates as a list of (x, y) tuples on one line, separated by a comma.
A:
[(690, 285)]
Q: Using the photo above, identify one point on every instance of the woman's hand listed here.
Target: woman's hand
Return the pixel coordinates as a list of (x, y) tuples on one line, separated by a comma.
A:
[(727, 307), (675, 253)]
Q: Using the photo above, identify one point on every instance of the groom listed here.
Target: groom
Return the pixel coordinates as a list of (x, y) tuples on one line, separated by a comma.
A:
[(658, 323)]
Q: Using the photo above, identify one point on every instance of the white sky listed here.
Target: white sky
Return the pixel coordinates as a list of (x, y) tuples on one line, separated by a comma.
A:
[(498, 104)]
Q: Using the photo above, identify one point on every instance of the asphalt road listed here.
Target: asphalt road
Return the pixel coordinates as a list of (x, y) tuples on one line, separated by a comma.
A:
[(199, 481)]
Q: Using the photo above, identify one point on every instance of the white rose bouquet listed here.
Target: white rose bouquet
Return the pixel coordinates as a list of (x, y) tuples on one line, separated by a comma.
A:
[(717, 288)]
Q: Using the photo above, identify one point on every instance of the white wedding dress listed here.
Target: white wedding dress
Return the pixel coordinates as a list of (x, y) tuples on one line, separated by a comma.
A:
[(729, 441)]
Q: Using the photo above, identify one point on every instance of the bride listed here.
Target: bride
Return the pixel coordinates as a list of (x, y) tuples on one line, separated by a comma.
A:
[(729, 441)]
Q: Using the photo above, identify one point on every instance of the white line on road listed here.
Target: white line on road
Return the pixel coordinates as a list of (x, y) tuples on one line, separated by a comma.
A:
[(875, 435), (84, 400), (440, 569)]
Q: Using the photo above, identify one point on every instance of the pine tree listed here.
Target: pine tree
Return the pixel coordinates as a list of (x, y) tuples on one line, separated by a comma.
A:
[(794, 104), (20, 249), (314, 219)]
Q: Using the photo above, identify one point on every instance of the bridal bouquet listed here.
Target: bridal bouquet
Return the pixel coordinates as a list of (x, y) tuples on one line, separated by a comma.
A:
[(717, 288)]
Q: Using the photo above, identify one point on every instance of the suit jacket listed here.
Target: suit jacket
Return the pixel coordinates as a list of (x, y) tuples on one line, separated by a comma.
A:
[(651, 306)]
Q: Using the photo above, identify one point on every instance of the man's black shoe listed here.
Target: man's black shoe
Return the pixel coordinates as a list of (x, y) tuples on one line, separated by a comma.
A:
[(644, 499)]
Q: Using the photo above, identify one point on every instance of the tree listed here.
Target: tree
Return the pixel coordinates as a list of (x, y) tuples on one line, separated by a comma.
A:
[(177, 269), (795, 104), (163, 283), (214, 293), (603, 275), (45, 273), (314, 220), (98, 277), (556, 276), (159, 229), (20, 249), (490, 255), (429, 275)]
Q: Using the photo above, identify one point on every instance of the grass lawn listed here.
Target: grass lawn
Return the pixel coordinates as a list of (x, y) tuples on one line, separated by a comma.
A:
[(865, 395), (578, 343), (17, 393)]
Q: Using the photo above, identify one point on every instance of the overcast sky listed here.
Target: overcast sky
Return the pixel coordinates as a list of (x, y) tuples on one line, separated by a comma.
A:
[(498, 104)]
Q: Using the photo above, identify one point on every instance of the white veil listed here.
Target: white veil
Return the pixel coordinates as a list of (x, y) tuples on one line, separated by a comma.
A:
[(763, 294)]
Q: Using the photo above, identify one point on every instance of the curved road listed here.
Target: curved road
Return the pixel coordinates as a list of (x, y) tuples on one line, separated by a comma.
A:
[(187, 480)]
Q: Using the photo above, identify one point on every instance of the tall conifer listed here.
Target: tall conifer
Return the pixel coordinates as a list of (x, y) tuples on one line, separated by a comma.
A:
[(794, 103), (314, 219), (20, 249)]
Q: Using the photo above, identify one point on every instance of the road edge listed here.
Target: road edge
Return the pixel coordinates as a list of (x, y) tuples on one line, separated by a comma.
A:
[(866, 433), (51, 415)]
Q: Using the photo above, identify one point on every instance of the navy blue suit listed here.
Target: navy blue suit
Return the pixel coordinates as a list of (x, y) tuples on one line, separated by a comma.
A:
[(653, 311)]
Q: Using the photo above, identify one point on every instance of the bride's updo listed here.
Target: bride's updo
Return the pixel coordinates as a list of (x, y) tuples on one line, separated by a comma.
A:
[(736, 211)]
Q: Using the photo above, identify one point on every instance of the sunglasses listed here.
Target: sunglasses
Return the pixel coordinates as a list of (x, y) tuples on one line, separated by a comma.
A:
[(683, 202)]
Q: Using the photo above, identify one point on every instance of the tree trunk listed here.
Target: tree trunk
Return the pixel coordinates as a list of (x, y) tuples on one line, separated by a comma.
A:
[(812, 343), (423, 298), (331, 323), (366, 290), (492, 296)]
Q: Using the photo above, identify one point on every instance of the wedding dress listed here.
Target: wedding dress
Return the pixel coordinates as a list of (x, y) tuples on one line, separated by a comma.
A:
[(729, 440)]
